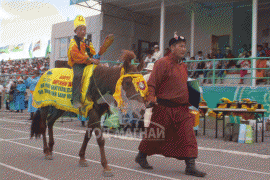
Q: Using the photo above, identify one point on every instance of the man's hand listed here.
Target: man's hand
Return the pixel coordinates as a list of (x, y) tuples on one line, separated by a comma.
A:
[(151, 101), (97, 56)]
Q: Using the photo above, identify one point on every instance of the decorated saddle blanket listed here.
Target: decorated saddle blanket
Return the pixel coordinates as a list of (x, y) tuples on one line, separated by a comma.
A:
[(55, 89)]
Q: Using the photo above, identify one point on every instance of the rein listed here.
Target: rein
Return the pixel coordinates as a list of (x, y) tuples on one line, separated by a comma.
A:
[(98, 88), (138, 94), (135, 95)]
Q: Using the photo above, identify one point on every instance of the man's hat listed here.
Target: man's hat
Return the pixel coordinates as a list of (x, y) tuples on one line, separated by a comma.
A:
[(176, 39), (79, 21)]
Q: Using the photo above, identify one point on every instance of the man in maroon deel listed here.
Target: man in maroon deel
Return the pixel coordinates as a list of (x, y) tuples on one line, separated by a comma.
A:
[(170, 132)]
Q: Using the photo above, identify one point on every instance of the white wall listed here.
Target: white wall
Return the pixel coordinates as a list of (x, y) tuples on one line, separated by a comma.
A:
[(122, 33), (127, 30), (173, 22), (217, 23), (205, 27)]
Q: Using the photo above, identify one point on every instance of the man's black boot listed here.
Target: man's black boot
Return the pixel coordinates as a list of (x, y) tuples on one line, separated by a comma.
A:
[(191, 170), (141, 160)]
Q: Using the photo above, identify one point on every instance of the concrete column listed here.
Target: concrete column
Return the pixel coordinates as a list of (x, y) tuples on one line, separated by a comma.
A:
[(53, 53), (254, 38), (162, 27), (192, 34)]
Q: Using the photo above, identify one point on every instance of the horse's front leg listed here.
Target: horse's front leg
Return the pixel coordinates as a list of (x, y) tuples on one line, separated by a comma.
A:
[(86, 139), (107, 172)]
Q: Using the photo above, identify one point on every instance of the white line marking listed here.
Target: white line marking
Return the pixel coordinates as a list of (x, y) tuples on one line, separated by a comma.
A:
[(120, 167), (236, 152), (33, 138), (227, 167), (235, 168), (65, 129), (201, 148), (14, 139), (23, 116), (97, 146), (29, 137), (65, 135), (138, 139), (19, 122), (13, 130), (25, 172)]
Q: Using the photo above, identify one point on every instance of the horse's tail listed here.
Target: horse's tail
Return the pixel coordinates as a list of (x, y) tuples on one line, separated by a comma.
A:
[(36, 123)]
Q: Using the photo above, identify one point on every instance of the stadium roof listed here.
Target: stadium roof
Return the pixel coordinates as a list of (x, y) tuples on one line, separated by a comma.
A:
[(152, 7)]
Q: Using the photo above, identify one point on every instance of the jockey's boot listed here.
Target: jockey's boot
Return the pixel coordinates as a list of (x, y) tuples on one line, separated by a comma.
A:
[(191, 170), (141, 160), (77, 105)]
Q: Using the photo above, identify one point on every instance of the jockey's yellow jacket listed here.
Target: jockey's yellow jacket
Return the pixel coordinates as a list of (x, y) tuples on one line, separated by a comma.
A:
[(76, 56)]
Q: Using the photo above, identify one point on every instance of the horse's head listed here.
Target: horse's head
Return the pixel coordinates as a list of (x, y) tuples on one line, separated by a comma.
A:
[(131, 88)]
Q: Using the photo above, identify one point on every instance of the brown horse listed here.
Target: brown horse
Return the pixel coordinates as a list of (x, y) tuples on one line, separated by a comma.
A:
[(103, 81)]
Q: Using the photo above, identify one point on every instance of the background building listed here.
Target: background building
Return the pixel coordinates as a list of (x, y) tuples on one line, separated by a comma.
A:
[(139, 25)]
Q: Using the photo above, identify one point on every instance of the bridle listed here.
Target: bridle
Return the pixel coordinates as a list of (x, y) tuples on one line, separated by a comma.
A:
[(134, 95), (130, 98), (137, 94)]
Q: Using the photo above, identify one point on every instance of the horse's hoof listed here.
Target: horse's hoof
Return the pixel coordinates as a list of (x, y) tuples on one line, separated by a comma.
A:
[(107, 173), (48, 157), (83, 163)]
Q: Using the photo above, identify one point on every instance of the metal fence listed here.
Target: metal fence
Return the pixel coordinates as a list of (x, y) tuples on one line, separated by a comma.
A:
[(231, 78), (228, 77)]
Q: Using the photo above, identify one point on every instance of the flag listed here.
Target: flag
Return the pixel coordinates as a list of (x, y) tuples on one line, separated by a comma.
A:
[(30, 50), (48, 50), (10, 47), (18, 48), (37, 46), (76, 1), (4, 50)]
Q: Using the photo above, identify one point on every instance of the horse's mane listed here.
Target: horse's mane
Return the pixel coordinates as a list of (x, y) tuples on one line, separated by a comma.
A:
[(126, 57)]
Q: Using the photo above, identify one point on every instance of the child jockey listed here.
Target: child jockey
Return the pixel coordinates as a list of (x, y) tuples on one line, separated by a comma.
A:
[(79, 56)]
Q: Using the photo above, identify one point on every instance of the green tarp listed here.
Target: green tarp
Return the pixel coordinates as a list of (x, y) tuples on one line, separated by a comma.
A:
[(212, 95)]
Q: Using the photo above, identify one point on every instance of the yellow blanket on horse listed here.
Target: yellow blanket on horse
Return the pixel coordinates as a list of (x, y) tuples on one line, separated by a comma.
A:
[(55, 89)]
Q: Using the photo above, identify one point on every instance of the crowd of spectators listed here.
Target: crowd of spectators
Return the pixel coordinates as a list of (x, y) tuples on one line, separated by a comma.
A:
[(222, 67), (13, 75), (231, 66), (24, 67)]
